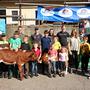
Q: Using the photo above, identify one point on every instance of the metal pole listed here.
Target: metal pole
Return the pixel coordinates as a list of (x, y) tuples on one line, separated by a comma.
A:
[(78, 3), (20, 13), (37, 4)]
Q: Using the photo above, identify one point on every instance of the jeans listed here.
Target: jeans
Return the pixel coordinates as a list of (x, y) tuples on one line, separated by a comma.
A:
[(34, 67), (52, 67)]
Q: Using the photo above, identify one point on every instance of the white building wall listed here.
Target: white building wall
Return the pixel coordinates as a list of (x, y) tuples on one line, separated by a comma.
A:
[(29, 14), (26, 14), (9, 19)]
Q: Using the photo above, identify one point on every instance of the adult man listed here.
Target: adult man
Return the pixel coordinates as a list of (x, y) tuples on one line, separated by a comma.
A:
[(62, 36), (21, 32), (36, 37)]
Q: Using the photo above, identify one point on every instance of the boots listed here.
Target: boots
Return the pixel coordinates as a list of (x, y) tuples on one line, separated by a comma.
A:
[(54, 75), (9, 74), (5, 74)]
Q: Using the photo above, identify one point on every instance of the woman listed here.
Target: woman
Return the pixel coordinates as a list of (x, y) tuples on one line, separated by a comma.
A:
[(51, 34), (74, 48)]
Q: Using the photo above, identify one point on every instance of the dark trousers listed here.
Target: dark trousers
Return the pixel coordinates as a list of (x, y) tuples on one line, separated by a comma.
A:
[(62, 66), (6, 70), (44, 68), (3, 68), (74, 61), (84, 62), (44, 65)]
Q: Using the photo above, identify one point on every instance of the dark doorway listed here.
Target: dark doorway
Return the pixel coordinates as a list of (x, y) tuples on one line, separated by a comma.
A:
[(2, 13)]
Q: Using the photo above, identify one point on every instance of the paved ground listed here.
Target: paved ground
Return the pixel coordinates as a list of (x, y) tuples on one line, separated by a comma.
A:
[(70, 82)]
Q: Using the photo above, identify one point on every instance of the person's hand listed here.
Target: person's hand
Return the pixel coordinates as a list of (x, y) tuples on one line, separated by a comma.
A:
[(39, 60), (6, 48), (78, 53), (24, 50), (70, 53), (1, 48)]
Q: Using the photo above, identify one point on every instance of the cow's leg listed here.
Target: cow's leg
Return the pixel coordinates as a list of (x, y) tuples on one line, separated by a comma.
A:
[(21, 72)]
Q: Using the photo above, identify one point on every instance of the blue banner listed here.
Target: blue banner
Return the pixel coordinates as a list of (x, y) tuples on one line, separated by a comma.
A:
[(2, 26), (63, 14)]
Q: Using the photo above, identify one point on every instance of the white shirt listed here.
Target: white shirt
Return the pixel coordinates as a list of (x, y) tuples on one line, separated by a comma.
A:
[(63, 57), (75, 43)]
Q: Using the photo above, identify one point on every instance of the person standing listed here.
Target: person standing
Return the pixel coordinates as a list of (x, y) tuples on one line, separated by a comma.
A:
[(45, 46), (15, 42), (56, 43), (62, 36), (87, 26), (25, 47), (81, 26), (51, 34), (3, 67), (52, 61), (85, 51), (45, 42), (21, 32), (36, 37), (4, 44), (34, 65), (62, 60), (74, 49)]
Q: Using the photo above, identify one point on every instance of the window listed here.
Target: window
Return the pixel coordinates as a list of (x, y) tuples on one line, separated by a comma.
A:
[(15, 18)]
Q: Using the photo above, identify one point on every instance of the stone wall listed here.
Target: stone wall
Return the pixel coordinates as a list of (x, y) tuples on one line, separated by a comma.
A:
[(28, 30)]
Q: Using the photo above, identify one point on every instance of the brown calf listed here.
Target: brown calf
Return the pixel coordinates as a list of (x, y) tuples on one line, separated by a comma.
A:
[(11, 57)]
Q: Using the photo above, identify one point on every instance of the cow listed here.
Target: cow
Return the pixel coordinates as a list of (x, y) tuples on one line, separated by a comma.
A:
[(44, 58), (8, 56)]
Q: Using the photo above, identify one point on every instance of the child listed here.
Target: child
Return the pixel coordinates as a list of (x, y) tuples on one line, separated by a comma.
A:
[(52, 58), (3, 42), (37, 51), (63, 59), (3, 67), (56, 43), (85, 50), (25, 47), (15, 42)]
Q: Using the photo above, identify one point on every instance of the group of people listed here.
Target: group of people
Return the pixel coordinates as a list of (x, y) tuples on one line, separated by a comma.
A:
[(57, 53)]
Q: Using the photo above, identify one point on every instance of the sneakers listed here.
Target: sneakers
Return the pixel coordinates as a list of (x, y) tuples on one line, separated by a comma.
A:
[(26, 76), (31, 75), (54, 75), (62, 74), (36, 75), (50, 76)]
